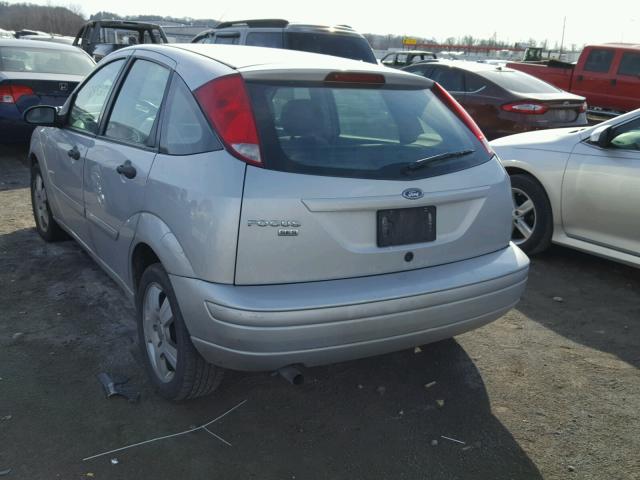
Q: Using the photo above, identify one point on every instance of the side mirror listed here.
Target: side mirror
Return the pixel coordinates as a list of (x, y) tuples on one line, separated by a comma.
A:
[(600, 136), (42, 115)]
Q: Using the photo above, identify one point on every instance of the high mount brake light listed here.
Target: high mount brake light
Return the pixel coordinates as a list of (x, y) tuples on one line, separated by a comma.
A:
[(462, 114), (12, 93), (528, 108), (354, 77), (226, 103)]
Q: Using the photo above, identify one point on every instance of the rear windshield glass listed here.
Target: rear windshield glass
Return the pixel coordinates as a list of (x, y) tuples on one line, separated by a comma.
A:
[(44, 60), (359, 132), (519, 82), (129, 36), (345, 46)]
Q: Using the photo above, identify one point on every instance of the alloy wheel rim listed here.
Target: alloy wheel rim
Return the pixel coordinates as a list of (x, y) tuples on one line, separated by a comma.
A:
[(159, 332), (524, 216), (40, 202)]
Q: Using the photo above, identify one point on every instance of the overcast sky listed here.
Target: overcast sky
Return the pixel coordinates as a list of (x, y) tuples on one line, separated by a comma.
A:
[(587, 22)]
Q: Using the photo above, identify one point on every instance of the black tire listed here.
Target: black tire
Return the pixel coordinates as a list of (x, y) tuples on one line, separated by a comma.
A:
[(192, 376), (46, 226), (542, 229)]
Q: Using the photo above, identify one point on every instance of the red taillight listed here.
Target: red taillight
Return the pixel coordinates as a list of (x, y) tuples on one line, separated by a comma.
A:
[(351, 77), (583, 107), (12, 93), (528, 108), (225, 101), (462, 114)]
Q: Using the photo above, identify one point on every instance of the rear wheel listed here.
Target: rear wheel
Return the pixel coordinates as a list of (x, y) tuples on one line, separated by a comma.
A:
[(532, 217), (46, 226), (173, 364)]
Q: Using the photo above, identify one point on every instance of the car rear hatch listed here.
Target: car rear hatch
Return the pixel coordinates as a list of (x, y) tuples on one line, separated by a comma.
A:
[(543, 102), (354, 174)]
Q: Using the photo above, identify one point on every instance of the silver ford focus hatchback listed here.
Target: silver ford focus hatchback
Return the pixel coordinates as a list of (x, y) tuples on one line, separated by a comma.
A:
[(267, 208)]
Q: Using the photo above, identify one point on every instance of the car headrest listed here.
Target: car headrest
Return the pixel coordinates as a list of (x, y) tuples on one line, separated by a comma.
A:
[(301, 118)]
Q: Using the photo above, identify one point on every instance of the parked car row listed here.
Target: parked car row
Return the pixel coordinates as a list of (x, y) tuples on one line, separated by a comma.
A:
[(504, 101), (33, 73), (266, 208)]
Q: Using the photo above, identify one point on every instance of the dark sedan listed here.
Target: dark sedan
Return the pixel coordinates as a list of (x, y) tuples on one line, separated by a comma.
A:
[(33, 73), (504, 101)]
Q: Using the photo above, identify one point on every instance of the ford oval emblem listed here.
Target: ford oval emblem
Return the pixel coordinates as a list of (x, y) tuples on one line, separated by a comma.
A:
[(413, 193)]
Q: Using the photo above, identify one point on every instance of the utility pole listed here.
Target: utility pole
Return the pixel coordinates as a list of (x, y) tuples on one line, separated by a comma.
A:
[(564, 24)]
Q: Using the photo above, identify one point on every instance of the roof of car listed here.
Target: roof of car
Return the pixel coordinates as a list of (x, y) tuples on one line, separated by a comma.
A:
[(281, 23), (123, 24), (240, 56), (414, 52), (469, 66), (10, 42), (630, 46)]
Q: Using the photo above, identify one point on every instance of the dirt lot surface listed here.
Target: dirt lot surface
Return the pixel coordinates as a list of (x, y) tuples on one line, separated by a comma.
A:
[(551, 390)]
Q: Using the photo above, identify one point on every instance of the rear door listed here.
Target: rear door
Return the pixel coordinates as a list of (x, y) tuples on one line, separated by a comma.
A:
[(337, 198), (627, 87), (594, 80), (118, 163)]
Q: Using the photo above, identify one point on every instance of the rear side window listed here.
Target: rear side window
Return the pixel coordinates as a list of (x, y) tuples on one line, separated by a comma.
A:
[(265, 39), (451, 79), (630, 64), (599, 60), (136, 108), (233, 39), (347, 46), (425, 70), (474, 83), (359, 132), (519, 82), (185, 131)]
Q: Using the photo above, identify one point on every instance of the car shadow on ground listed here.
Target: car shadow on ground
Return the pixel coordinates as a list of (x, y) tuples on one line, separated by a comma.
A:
[(379, 417), (565, 294), (11, 175)]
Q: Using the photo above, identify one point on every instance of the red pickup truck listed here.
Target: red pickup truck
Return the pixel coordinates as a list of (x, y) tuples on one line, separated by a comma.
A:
[(607, 75)]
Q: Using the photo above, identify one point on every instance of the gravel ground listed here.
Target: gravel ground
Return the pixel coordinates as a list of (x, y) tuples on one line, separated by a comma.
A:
[(551, 390)]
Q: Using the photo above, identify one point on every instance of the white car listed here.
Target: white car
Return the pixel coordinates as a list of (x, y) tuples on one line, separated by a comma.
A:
[(577, 187)]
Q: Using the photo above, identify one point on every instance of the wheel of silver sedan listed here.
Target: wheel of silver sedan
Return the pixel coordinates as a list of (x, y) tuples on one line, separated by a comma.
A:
[(159, 332), (524, 216), (40, 203)]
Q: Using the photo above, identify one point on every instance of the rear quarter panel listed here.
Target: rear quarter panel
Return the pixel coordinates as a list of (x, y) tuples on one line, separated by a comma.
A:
[(198, 197)]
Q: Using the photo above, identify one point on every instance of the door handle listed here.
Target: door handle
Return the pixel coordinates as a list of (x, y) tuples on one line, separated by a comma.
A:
[(580, 77), (74, 153), (127, 169), (614, 81)]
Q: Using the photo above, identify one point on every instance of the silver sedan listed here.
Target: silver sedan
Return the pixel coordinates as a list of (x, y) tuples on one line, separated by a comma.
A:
[(577, 187)]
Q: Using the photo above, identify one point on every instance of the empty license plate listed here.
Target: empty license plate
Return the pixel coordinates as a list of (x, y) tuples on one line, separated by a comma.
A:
[(402, 226)]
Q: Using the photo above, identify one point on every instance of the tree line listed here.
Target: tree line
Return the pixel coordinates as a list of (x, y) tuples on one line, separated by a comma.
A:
[(60, 20)]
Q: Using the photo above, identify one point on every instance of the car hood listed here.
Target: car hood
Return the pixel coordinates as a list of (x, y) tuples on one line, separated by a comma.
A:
[(556, 139)]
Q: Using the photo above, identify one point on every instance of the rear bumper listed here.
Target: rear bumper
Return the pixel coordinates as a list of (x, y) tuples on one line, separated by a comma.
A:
[(315, 323)]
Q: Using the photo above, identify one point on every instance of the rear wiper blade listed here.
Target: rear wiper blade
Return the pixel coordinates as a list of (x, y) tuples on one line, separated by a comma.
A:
[(423, 162)]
